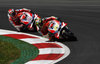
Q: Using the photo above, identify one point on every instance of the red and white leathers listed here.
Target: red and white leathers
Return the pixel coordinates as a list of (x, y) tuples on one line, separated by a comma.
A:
[(48, 22), (23, 17)]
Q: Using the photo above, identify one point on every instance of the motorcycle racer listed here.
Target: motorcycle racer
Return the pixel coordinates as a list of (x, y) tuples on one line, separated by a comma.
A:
[(23, 18), (45, 24), (55, 30), (48, 24)]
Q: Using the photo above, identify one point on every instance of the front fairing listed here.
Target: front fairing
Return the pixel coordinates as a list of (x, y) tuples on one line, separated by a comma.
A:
[(58, 33)]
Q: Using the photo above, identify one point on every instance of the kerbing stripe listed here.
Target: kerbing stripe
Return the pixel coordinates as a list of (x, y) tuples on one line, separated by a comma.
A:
[(51, 51), (33, 40), (40, 62), (47, 45), (48, 57), (19, 36)]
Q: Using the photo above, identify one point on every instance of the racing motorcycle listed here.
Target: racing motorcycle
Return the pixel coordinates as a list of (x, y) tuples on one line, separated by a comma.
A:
[(57, 30), (26, 23), (60, 32)]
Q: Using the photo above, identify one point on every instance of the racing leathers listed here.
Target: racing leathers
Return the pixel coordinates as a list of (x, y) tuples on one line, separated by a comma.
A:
[(45, 26), (24, 18)]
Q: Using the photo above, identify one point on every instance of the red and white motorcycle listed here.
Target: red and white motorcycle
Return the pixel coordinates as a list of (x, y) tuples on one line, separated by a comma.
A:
[(26, 19), (59, 30)]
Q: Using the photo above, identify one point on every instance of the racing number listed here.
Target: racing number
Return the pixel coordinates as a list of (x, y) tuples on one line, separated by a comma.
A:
[(55, 26)]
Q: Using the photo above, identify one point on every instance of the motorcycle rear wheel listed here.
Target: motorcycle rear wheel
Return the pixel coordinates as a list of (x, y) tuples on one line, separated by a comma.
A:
[(68, 35)]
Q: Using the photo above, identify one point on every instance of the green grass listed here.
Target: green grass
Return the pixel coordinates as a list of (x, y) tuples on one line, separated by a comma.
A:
[(13, 51), (8, 53)]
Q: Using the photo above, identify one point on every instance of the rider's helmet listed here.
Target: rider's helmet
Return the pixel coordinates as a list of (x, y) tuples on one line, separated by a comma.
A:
[(11, 12)]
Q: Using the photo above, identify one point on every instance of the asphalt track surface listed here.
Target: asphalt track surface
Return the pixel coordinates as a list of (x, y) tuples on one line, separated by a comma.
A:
[(83, 18)]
